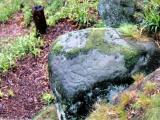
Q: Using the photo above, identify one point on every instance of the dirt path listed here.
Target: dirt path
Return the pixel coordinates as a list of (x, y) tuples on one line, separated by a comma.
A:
[(30, 78)]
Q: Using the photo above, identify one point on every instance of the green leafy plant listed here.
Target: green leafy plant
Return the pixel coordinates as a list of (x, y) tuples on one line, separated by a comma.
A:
[(84, 12), (48, 98), (152, 16), (7, 8), (22, 46), (27, 15), (76, 10)]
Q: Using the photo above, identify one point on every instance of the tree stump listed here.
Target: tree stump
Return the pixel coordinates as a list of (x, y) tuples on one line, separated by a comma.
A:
[(39, 19)]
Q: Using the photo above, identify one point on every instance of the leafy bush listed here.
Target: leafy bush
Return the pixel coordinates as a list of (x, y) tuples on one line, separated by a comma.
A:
[(21, 47)]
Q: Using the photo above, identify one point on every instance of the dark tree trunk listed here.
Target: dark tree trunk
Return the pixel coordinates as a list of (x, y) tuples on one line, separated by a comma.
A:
[(39, 19)]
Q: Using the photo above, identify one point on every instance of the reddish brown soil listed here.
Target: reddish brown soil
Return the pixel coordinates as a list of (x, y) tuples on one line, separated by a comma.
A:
[(13, 27), (29, 80)]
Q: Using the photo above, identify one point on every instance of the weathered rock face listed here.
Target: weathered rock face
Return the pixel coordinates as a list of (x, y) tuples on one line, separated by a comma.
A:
[(115, 12), (89, 60)]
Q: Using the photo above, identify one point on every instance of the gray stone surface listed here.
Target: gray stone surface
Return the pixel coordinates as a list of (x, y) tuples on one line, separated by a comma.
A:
[(83, 71), (115, 12), (94, 59)]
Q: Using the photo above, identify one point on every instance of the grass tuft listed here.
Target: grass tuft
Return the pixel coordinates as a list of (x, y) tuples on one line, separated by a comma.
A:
[(149, 87), (103, 111), (138, 78)]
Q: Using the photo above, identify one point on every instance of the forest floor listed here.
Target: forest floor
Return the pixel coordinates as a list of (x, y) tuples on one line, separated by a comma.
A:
[(29, 79)]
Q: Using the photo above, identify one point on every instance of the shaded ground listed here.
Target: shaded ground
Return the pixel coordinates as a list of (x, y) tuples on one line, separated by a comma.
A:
[(12, 29), (30, 78)]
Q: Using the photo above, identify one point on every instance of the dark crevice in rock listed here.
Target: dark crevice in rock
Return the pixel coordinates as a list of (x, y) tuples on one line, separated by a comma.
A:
[(83, 101)]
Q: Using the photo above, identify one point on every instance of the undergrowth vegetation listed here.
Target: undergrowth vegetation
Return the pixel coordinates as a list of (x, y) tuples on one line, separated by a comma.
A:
[(47, 113), (152, 16), (133, 31), (149, 105), (84, 12), (21, 47), (129, 30), (140, 102), (7, 8), (150, 24)]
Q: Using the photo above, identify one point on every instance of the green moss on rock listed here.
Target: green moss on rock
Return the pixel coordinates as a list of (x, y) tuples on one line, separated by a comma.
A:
[(96, 40), (57, 49), (72, 53)]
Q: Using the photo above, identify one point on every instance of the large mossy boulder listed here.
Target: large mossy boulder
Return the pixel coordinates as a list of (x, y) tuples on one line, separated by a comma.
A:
[(115, 12), (85, 60)]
